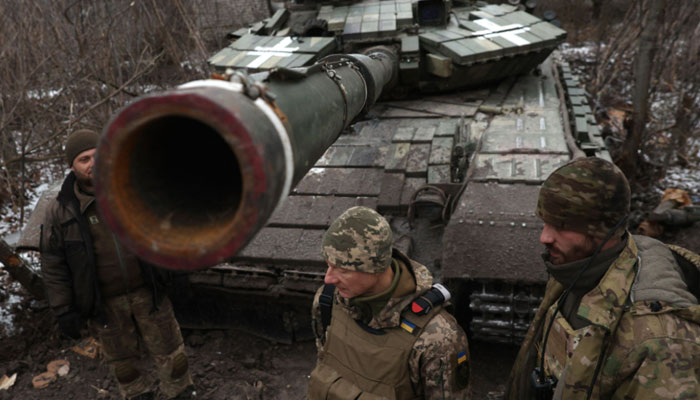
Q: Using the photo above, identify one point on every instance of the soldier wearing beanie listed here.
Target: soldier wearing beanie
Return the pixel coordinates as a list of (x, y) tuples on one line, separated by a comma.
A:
[(381, 329), (90, 277), (80, 154), (620, 317)]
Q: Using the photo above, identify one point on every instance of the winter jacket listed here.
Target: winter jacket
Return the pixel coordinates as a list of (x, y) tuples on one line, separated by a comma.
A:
[(68, 259), (643, 340)]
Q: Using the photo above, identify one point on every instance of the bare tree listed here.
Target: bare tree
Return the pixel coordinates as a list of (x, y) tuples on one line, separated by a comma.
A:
[(651, 20), (655, 46)]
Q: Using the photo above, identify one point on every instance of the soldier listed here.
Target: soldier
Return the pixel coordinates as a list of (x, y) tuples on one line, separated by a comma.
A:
[(381, 330), (620, 317), (88, 275)]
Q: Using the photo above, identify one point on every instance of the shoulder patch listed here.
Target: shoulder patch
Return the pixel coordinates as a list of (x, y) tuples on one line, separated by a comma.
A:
[(407, 326), (461, 356), (462, 370)]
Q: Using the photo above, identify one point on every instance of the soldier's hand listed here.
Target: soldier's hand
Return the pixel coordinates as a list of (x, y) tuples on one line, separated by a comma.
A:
[(70, 324)]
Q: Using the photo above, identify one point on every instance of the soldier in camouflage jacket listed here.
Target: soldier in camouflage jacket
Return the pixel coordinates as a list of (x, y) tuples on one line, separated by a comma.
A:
[(374, 344), (618, 322)]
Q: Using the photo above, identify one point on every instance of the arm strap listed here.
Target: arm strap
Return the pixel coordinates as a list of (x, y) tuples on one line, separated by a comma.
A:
[(325, 303)]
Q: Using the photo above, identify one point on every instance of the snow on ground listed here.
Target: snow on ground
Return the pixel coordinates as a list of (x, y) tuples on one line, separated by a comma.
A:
[(585, 51), (11, 293), (10, 213), (43, 94), (9, 224), (190, 66), (663, 106), (683, 178), (8, 307)]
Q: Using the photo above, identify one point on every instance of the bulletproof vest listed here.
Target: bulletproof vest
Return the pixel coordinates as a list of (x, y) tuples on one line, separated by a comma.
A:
[(358, 362)]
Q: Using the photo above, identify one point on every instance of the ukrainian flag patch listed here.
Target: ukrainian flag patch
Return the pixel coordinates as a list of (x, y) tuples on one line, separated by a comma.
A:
[(461, 357), (407, 326)]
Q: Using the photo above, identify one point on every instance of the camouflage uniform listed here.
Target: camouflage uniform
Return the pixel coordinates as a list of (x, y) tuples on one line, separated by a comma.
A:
[(132, 319), (653, 347), (643, 322), (437, 357)]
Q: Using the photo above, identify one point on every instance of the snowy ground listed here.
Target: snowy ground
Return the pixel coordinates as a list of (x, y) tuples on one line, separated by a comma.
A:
[(11, 293), (683, 178), (10, 305)]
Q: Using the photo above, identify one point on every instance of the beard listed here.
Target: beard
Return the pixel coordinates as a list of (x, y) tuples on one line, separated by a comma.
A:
[(575, 252), (85, 182)]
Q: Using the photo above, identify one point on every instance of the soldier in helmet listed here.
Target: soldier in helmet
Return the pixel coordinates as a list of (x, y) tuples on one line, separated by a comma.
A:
[(379, 321), (89, 276), (620, 316)]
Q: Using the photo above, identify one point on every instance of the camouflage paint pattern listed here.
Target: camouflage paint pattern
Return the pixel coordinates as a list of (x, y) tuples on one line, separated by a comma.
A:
[(433, 366), (586, 195), (653, 349), (690, 257), (129, 320), (358, 240)]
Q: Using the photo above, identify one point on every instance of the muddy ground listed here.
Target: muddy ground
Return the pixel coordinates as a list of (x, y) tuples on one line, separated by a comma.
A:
[(226, 364)]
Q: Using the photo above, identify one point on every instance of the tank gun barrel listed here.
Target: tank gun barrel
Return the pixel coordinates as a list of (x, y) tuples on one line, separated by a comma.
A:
[(187, 177)]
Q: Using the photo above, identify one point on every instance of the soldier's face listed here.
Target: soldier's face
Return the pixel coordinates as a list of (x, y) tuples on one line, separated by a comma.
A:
[(351, 284), (565, 246), (82, 166)]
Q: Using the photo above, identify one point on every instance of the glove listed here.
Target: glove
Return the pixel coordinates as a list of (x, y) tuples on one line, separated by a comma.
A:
[(70, 324)]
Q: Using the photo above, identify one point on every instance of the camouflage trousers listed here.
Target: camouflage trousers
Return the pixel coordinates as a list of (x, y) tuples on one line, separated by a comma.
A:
[(130, 325)]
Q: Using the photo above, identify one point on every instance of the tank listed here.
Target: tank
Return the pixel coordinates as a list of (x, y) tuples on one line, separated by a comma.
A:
[(444, 116)]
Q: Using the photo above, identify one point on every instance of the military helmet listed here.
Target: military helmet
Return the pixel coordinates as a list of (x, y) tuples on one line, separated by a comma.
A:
[(78, 142), (586, 195), (358, 240)]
